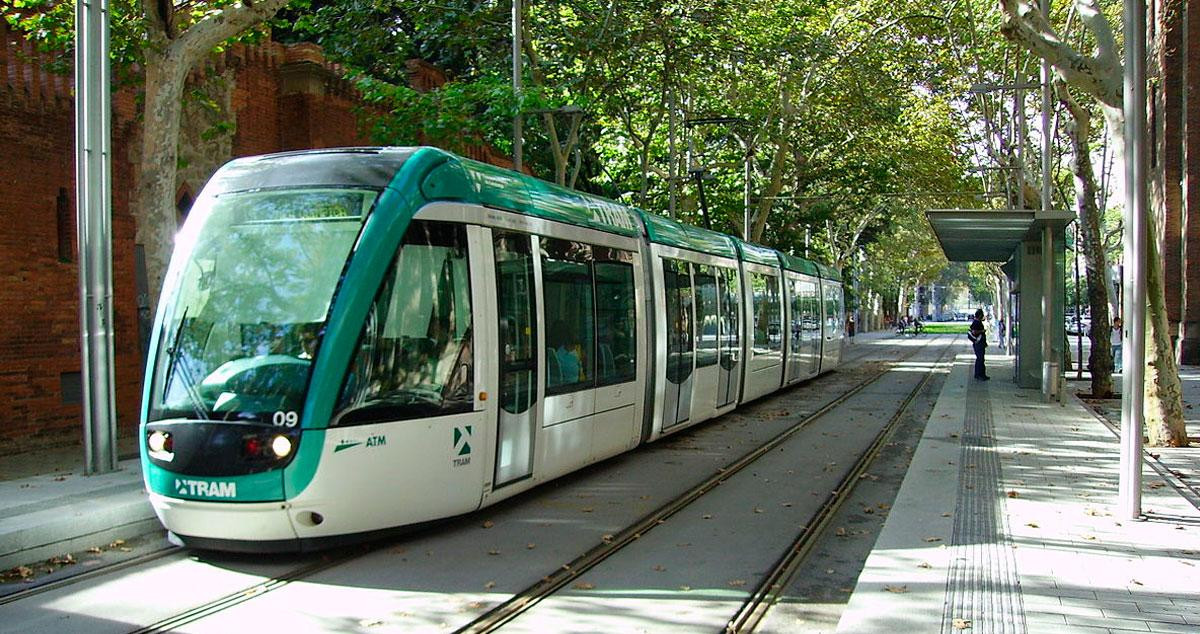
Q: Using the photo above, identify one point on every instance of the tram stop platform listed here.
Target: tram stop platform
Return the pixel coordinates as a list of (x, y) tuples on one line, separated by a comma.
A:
[(49, 508), (1007, 522)]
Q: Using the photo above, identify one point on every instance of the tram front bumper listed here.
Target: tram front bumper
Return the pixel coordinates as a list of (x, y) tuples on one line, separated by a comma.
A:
[(251, 522)]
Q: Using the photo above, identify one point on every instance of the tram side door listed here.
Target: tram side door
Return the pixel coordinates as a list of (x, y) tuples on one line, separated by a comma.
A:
[(680, 340), (729, 303), (516, 312)]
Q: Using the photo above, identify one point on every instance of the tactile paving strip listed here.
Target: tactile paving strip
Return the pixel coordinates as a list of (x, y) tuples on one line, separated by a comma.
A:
[(983, 591)]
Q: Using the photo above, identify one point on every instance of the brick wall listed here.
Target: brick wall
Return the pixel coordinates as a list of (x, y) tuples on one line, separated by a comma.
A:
[(39, 287), (277, 97)]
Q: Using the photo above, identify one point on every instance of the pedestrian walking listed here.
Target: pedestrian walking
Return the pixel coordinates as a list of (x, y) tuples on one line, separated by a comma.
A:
[(978, 337)]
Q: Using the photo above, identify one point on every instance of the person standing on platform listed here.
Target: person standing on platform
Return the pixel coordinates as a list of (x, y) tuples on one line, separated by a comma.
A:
[(978, 338), (1117, 326)]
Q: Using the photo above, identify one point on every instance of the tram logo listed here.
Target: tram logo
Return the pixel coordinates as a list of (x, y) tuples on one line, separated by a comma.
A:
[(462, 445), (205, 488)]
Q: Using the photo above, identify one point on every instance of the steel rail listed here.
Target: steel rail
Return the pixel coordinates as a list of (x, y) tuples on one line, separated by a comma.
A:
[(85, 575), (567, 572), (227, 601), (775, 581), (524, 600)]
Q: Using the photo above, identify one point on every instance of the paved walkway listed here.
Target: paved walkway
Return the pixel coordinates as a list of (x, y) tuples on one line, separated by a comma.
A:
[(1006, 523)]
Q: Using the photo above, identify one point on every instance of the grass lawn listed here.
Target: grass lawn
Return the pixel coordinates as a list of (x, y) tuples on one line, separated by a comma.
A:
[(946, 329)]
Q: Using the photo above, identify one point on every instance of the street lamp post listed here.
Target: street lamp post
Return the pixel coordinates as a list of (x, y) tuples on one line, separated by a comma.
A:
[(1129, 491)]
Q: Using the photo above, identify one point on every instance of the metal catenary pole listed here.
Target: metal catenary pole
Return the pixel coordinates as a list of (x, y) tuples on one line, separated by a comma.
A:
[(1051, 376), (1129, 491), (93, 188)]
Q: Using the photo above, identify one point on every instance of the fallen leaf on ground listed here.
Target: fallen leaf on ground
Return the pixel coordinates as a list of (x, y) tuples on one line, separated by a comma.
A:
[(531, 545), (488, 524), (962, 624), (659, 568), (493, 552), (1013, 494), (489, 585), (933, 539), (840, 532), (924, 564), (583, 585), (1033, 525), (896, 589), (737, 583)]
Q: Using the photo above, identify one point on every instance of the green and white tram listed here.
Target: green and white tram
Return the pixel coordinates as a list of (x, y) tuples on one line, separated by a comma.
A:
[(355, 340)]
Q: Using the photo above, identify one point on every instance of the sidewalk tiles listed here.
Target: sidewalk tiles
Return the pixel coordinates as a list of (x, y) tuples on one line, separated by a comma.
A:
[(1006, 523)]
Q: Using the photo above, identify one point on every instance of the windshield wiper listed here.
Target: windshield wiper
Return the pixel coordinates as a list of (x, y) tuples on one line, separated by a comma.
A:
[(189, 387)]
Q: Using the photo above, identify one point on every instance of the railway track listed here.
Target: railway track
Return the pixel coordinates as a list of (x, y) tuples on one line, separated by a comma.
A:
[(753, 610), (86, 575), (776, 580), (521, 601)]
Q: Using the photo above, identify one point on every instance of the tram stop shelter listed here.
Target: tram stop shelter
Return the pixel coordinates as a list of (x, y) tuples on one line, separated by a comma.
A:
[(1032, 247)]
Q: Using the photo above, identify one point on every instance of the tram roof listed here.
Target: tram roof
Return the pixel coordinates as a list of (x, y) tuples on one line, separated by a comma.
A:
[(798, 264), (372, 167), (757, 253), (672, 233), (484, 184), (829, 273), (463, 179)]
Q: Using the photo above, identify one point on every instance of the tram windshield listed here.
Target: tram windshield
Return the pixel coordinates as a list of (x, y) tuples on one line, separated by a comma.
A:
[(249, 309)]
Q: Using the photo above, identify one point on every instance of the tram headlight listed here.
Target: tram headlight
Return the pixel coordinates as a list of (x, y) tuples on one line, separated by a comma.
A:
[(160, 442), (282, 446)]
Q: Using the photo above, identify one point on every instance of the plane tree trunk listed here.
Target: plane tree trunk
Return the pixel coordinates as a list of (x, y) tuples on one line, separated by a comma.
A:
[(1078, 128)]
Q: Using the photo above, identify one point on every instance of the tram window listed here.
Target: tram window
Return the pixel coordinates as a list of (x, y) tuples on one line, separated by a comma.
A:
[(706, 315), (518, 334), (677, 285), (797, 324), (811, 318), (414, 354), (767, 333), (570, 315), (730, 302), (616, 343), (834, 316)]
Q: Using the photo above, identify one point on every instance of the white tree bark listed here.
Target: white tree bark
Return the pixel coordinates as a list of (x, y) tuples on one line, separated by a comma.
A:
[(171, 54)]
